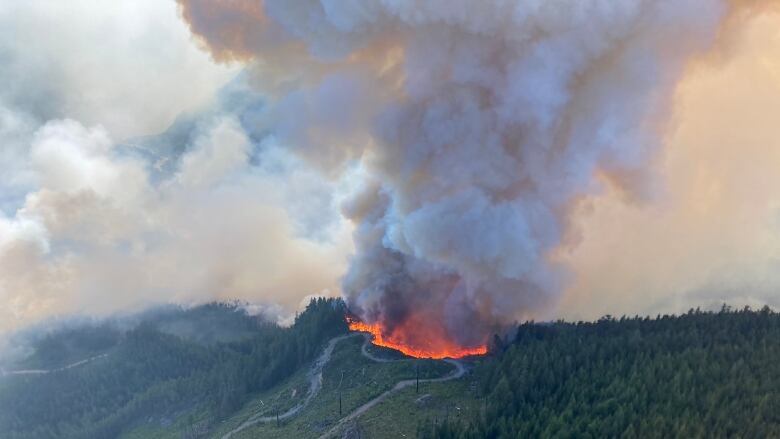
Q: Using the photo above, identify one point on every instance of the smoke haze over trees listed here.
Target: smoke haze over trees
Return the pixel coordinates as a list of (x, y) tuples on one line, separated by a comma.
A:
[(502, 159), (157, 368), (479, 127)]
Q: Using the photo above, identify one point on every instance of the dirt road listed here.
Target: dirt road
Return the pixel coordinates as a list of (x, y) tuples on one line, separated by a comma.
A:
[(315, 384), (4, 372), (459, 371)]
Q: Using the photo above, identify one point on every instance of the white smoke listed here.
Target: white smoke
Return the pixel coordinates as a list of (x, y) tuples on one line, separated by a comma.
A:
[(469, 132), (490, 120), (92, 223), (97, 236)]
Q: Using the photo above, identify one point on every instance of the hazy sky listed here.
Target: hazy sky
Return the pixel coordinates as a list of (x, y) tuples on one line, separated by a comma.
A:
[(712, 235), (99, 213)]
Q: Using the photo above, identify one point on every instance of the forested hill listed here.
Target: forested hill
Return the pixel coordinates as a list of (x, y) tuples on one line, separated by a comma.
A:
[(207, 371), (205, 360), (705, 375)]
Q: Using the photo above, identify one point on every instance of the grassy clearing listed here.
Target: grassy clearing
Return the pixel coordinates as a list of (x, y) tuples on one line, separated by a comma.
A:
[(156, 428), (401, 414), (282, 397), (358, 380)]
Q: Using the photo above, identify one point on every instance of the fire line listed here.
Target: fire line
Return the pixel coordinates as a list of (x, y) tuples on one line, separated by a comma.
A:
[(444, 349)]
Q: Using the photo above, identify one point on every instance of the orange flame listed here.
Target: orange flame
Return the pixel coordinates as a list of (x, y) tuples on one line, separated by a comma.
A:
[(436, 347)]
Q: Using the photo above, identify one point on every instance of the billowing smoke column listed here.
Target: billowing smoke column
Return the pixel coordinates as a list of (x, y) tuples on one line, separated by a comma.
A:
[(477, 123)]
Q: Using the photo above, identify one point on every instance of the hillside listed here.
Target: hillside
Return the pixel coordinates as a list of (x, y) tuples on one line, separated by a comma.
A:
[(697, 375), (166, 365), (702, 374)]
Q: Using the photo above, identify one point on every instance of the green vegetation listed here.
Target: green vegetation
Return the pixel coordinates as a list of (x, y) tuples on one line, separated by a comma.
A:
[(71, 345), (151, 374), (363, 380), (407, 412), (702, 374), (697, 375)]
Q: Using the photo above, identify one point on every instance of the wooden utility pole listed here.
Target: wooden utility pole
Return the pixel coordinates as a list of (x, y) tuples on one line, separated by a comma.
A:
[(417, 369), (340, 382)]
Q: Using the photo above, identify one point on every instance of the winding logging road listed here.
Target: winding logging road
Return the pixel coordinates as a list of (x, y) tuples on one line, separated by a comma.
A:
[(459, 371), (4, 372), (315, 384)]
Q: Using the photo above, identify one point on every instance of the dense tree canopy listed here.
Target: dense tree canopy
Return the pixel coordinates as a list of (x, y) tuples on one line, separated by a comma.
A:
[(701, 374)]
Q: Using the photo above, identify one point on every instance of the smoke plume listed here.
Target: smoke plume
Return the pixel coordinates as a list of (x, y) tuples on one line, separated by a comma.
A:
[(94, 224), (481, 125), (494, 160)]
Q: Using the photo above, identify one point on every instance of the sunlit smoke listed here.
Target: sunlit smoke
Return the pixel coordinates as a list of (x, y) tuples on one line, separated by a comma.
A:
[(482, 125)]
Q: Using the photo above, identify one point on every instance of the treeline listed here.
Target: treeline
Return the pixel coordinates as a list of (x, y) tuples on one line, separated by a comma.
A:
[(151, 372), (702, 374)]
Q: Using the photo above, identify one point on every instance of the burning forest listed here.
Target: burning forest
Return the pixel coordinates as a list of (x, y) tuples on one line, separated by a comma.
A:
[(281, 183), (424, 160), (418, 339), (476, 127)]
